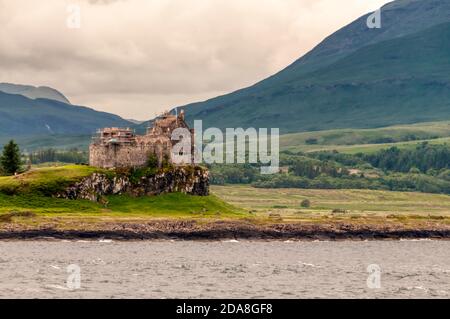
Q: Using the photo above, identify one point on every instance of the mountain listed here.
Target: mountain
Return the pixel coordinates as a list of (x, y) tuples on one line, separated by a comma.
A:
[(33, 92), (356, 78), (137, 122), (24, 117)]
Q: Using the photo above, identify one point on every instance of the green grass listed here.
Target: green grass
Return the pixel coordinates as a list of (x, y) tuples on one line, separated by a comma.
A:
[(44, 181), (167, 205), (364, 140), (46, 205), (174, 204), (26, 193), (372, 148)]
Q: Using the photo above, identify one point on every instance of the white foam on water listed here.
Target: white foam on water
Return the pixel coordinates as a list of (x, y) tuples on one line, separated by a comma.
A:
[(231, 241), (308, 265)]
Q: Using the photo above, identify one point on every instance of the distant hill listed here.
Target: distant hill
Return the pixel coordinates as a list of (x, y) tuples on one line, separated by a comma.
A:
[(137, 122), (33, 92), (356, 78), (24, 117)]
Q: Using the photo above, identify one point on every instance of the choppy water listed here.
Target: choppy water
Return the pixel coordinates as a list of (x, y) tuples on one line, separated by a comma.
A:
[(38, 269)]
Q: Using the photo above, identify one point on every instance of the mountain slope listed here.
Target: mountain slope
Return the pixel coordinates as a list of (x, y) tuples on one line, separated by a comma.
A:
[(33, 92), (21, 116), (358, 77)]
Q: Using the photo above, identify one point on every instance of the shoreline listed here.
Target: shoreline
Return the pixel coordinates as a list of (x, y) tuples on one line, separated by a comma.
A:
[(228, 230)]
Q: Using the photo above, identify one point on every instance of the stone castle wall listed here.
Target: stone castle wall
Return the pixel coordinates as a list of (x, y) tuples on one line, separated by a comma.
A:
[(133, 155), (119, 147)]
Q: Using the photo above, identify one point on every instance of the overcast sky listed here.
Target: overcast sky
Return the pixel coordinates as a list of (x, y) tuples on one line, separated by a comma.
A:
[(137, 58)]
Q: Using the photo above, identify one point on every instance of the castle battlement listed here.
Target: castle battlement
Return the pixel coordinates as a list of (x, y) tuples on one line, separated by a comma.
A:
[(120, 147)]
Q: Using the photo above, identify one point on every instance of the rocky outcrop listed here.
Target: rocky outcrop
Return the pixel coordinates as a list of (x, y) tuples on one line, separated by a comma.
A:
[(188, 180)]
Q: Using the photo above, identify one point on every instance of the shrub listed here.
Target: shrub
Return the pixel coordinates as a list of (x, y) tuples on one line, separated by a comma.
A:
[(311, 141), (279, 206), (166, 163), (339, 211), (152, 161), (305, 203)]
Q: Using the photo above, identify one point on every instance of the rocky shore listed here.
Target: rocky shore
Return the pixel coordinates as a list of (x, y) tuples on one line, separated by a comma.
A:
[(223, 230)]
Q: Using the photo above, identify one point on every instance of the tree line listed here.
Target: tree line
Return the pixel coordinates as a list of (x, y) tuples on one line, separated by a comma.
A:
[(424, 157), (51, 155), (424, 168)]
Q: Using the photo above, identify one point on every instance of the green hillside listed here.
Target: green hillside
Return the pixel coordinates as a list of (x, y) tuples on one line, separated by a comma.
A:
[(367, 140), (28, 195), (24, 117), (357, 78)]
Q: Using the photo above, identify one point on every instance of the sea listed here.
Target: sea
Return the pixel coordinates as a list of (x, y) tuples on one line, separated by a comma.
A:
[(225, 269)]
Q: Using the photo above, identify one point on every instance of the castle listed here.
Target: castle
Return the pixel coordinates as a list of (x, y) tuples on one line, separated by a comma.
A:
[(121, 147)]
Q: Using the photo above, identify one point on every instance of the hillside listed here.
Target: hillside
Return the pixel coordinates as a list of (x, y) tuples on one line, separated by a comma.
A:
[(29, 194), (367, 140), (356, 78), (24, 117), (32, 92)]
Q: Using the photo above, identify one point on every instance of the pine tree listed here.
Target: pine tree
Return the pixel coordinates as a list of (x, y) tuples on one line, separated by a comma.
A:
[(10, 159)]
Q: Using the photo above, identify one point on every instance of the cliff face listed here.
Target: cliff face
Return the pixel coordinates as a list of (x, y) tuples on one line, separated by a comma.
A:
[(188, 180)]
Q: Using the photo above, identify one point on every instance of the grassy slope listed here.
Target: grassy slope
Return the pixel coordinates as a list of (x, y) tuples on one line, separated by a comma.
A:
[(370, 148), (356, 140), (30, 187), (44, 181)]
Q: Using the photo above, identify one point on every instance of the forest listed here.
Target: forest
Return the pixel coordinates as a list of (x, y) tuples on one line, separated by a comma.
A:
[(424, 168)]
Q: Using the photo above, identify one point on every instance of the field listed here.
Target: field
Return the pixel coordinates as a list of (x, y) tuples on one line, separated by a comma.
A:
[(336, 204), (367, 140)]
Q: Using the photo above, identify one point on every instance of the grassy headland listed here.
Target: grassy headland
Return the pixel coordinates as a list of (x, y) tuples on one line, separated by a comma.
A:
[(30, 194), (44, 181)]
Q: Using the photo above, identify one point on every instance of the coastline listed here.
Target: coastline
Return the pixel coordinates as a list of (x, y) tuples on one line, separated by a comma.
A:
[(226, 230)]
